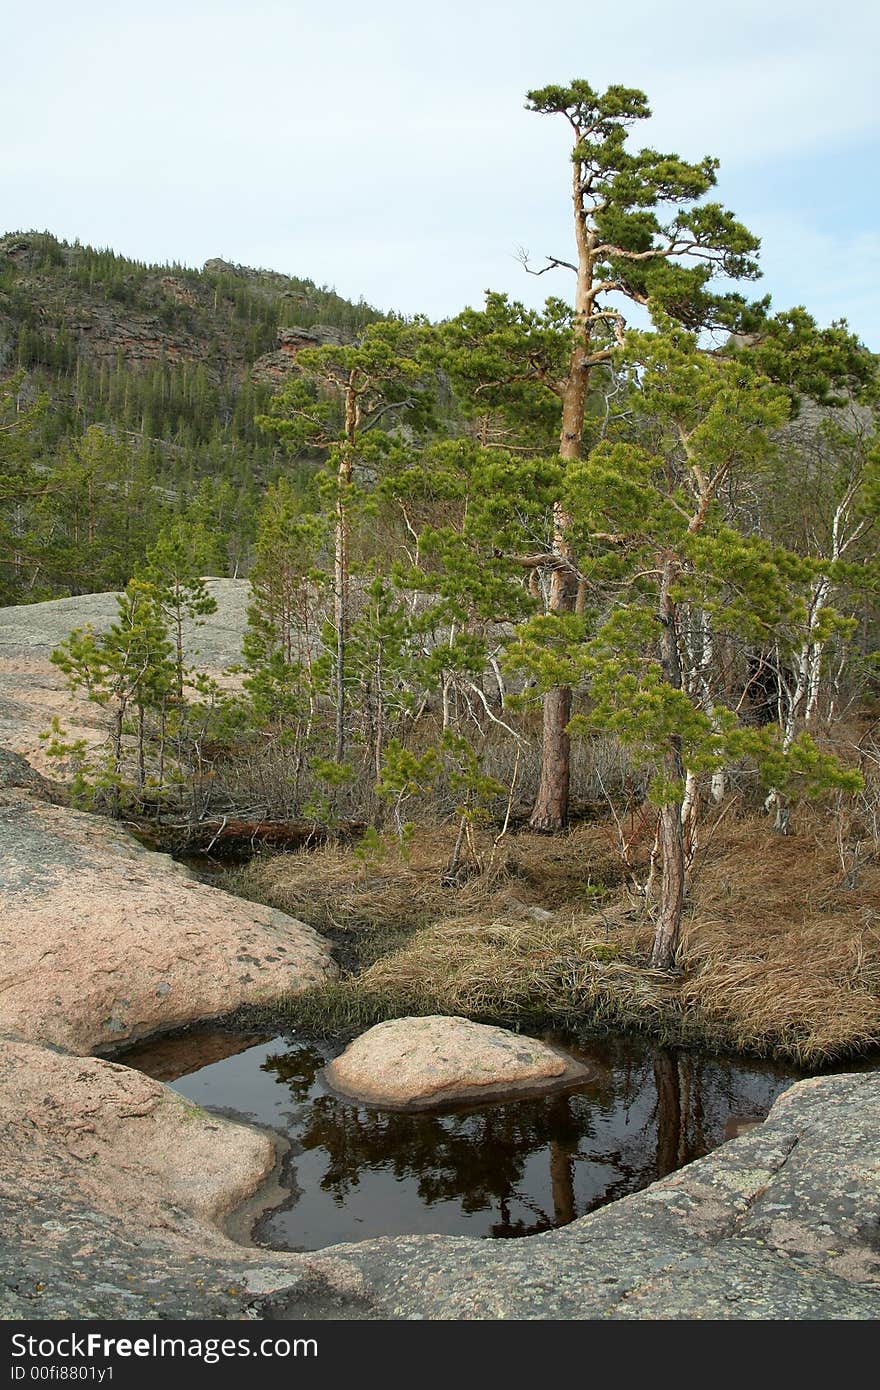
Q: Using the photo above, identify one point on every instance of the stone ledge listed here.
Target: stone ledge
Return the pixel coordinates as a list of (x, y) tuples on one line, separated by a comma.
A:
[(103, 942)]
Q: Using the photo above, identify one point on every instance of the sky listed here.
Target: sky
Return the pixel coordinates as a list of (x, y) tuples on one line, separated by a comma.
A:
[(385, 150)]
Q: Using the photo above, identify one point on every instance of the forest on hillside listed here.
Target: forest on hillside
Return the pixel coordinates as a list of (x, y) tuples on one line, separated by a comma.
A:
[(135, 391), (515, 568)]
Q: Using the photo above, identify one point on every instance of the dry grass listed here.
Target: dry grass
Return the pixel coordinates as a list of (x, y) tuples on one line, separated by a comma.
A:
[(780, 951), (514, 967), (782, 947), (333, 889)]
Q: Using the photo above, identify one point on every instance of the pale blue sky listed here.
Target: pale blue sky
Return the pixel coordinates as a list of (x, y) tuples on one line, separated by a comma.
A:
[(384, 149)]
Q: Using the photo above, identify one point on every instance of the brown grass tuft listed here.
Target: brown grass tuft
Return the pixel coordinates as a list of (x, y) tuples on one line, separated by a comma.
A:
[(331, 888), (780, 951)]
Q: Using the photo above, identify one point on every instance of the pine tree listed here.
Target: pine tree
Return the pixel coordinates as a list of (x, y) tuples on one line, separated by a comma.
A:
[(655, 553), (643, 234), (128, 670), (174, 569), (20, 488), (98, 512), (345, 400)]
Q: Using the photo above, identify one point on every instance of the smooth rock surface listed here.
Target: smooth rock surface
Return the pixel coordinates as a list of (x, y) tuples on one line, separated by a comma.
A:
[(33, 691), (102, 941), (780, 1224), (126, 1142), (111, 1190), (412, 1063)]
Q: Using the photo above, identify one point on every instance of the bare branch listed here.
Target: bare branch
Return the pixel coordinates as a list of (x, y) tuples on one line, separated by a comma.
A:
[(521, 742), (553, 263), (383, 410)]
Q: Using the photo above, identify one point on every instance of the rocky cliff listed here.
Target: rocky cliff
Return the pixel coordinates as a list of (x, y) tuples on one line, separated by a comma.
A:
[(63, 304)]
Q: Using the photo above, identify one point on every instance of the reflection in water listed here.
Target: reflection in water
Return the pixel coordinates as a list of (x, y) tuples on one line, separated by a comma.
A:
[(168, 1057), (501, 1170), (671, 1123)]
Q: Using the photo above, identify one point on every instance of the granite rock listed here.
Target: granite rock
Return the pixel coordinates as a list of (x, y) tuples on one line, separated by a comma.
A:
[(414, 1063), (104, 942), (780, 1224)]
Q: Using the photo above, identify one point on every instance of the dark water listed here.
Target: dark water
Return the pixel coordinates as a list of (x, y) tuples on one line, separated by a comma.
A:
[(501, 1170)]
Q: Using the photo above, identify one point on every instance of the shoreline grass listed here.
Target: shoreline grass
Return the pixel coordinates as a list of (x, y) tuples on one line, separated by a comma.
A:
[(780, 952)]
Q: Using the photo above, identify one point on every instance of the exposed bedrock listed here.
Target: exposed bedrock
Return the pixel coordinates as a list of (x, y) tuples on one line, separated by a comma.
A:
[(33, 692), (113, 1187), (102, 941)]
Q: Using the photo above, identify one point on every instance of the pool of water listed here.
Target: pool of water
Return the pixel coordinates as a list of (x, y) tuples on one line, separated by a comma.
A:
[(507, 1169)]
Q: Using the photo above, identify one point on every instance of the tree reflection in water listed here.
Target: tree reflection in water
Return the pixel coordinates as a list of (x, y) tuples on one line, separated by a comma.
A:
[(527, 1165)]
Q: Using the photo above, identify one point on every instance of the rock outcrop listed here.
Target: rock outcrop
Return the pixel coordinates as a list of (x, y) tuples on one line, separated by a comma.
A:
[(33, 691), (416, 1063), (63, 303), (17, 775), (274, 368), (87, 1119), (102, 941), (113, 1191)]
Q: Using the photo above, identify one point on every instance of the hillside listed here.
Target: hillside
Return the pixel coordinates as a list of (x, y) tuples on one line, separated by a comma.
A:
[(173, 365), (64, 305)]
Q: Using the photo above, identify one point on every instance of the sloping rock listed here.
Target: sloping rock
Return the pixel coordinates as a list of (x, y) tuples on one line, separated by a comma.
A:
[(34, 629), (124, 1141), (16, 774), (32, 694), (102, 941), (412, 1063), (114, 1193), (33, 691)]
